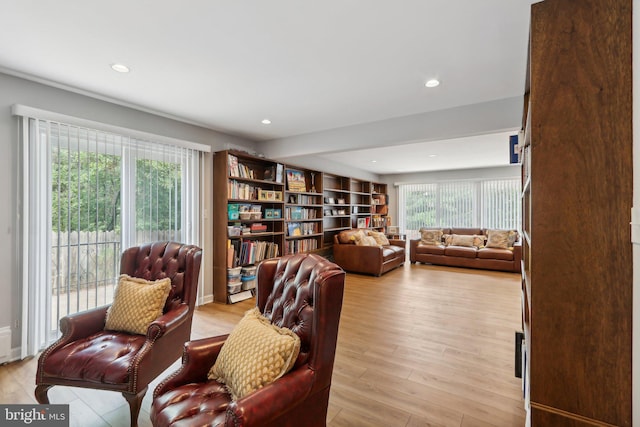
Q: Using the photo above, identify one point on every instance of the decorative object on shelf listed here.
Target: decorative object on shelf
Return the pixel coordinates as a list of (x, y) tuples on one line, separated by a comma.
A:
[(295, 180), (362, 223), (313, 182), (270, 173), (341, 201), (270, 195)]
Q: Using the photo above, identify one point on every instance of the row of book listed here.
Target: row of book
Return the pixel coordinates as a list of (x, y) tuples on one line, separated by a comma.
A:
[(298, 212), (302, 229), (271, 172), (304, 199), (303, 245), (238, 169), (250, 252), (242, 190)]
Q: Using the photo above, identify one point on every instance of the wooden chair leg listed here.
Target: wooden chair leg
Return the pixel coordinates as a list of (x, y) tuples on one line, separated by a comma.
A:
[(135, 402), (41, 393)]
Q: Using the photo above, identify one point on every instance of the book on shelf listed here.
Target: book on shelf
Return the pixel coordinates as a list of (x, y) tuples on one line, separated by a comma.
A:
[(233, 165), (296, 212), (279, 172), (233, 211), (251, 252), (258, 228), (294, 229), (240, 296), (295, 180)]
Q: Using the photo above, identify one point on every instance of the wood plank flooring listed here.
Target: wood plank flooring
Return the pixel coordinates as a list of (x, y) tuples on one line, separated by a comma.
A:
[(420, 346)]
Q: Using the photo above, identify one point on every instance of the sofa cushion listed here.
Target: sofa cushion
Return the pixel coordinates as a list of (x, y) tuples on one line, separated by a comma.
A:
[(501, 239), (388, 254), (461, 251), (430, 249), (493, 253), (429, 236), (255, 354)]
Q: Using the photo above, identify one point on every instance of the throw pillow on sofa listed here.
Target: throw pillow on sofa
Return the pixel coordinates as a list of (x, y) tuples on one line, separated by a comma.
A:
[(362, 240), (470, 241), (430, 236), (501, 239), (381, 239)]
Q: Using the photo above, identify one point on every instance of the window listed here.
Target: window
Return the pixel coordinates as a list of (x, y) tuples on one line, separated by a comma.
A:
[(88, 195), (464, 204)]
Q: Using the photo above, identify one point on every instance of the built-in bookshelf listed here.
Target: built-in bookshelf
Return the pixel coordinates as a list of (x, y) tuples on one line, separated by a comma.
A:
[(360, 203), (264, 209), (303, 210), (337, 206), (379, 206), (248, 218)]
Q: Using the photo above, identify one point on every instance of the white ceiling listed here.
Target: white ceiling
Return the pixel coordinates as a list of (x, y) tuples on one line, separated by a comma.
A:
[(308, 66)]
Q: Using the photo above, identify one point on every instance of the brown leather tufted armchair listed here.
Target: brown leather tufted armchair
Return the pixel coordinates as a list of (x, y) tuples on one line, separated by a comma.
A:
[(88, 356), (302, 292)]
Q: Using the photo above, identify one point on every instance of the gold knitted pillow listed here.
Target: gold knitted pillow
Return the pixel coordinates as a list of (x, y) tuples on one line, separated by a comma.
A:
[(136, 303), (255, 354)]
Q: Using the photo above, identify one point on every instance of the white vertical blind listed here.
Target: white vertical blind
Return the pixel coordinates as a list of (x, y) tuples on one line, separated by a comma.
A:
[(88, 195), (478, 204)]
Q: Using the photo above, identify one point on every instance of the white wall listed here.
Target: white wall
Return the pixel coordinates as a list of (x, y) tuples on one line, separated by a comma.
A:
[(14, 90)]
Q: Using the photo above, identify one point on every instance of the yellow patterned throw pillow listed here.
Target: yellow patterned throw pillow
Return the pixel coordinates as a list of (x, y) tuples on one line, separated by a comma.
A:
[(137, 303), (255, 354)]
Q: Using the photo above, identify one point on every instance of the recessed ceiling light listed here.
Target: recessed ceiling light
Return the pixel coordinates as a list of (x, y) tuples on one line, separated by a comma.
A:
[(433, 155), (121, 68), (266, 122), (373, 161), (432, 83)]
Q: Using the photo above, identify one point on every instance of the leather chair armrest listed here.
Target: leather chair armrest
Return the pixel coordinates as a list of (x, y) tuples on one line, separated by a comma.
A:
[(198, 357), (413, 244), (167, 322), (83, 324), (272, 400)]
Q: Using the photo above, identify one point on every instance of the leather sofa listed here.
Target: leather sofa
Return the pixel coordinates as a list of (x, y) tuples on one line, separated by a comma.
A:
[(489, 258), (375, 260)]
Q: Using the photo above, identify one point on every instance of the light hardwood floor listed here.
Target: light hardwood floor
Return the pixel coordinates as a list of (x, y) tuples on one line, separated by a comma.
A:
[(420, 346)]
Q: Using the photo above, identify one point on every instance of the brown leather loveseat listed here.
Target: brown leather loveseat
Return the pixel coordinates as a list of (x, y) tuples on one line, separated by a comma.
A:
[(376, 258), (468, 247)]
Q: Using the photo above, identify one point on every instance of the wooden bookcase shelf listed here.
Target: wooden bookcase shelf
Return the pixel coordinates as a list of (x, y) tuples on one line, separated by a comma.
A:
[(300, 211), (248, 223)]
